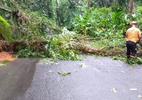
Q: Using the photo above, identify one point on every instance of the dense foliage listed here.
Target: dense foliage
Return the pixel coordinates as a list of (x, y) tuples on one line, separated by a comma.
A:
[(45, 31), (57, 46), (5, 29)]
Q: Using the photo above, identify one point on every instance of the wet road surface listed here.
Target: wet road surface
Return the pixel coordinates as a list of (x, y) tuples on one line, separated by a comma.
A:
[(93, 78)]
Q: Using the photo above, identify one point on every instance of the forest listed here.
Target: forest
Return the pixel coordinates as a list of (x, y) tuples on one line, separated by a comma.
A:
[(65, 29)]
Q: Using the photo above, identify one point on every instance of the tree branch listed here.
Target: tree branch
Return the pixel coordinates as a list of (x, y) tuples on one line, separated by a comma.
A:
[(2, 8)]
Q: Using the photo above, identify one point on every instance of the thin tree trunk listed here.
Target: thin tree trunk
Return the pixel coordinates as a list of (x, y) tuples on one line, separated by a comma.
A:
[(131, 4), (88, 3)]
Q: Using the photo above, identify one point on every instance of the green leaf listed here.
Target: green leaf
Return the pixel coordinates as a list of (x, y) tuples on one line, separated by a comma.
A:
[(2, 64), (64, 73)]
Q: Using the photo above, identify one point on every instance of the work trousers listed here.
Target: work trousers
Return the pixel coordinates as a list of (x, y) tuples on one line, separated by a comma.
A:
[(131, 49)]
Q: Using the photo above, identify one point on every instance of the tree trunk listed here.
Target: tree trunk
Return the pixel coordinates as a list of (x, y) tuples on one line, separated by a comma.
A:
[(131, 4), (88, 3)]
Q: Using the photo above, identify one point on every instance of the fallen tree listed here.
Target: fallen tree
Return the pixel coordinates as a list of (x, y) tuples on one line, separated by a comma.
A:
[(17, 15)]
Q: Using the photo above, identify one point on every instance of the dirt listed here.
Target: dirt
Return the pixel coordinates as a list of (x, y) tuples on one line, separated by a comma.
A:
[(6, 56)]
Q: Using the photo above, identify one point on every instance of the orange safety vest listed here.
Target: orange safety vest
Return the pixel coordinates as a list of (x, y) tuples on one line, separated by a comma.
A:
[(133, 34)]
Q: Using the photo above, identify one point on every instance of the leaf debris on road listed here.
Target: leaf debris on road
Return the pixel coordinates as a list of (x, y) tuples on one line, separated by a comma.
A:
[(64, 73)]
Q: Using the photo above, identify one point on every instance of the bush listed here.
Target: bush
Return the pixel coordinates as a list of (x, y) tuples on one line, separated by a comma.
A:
[(101, 22)]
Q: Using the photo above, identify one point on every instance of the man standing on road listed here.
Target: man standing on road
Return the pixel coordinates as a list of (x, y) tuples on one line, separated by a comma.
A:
[(133, 36)]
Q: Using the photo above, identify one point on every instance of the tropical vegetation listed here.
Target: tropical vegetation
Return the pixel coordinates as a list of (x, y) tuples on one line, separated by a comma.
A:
[(64, 29)]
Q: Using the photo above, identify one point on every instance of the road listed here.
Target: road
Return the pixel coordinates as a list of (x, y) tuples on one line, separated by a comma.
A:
[(93, 78)]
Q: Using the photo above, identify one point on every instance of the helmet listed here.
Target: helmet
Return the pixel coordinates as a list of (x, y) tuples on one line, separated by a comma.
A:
[(133, 23)]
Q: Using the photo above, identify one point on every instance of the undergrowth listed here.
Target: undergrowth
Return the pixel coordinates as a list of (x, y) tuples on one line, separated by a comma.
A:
[(98, 31), (56, 46)]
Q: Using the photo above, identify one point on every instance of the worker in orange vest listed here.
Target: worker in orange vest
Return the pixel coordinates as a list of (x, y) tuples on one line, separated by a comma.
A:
[(133, 36)]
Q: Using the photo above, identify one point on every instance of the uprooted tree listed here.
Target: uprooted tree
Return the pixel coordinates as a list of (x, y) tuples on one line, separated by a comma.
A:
[(18, 15)]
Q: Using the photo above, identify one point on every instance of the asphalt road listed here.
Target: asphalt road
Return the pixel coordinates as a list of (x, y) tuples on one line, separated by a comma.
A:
[(93, 78)]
